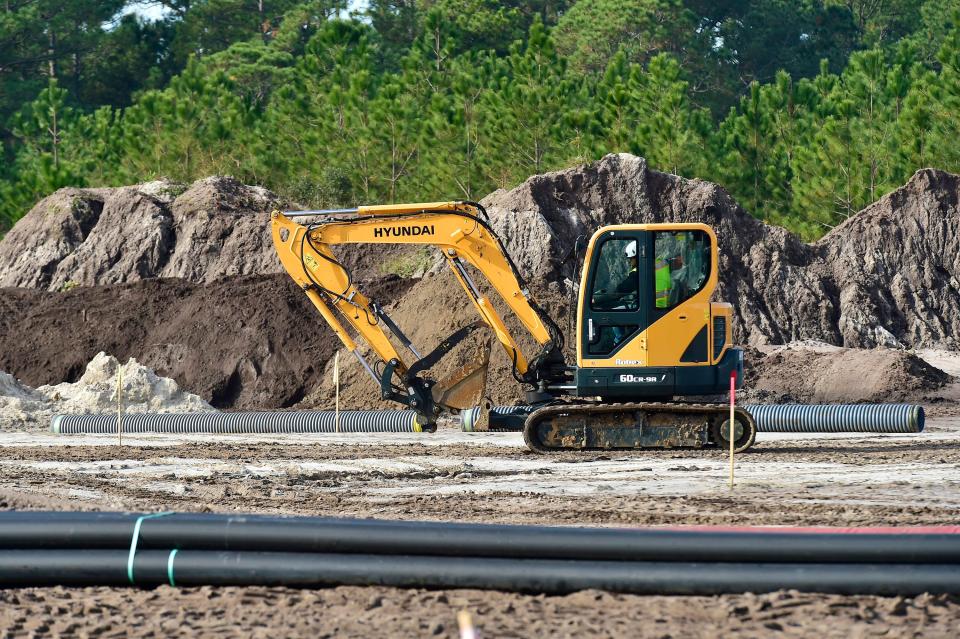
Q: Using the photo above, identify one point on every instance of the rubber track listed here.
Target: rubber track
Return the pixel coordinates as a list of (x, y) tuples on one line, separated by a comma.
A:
[(539, 415)]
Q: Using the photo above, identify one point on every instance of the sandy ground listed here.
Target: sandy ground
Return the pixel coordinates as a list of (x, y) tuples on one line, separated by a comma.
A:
[(363, 613), (839, 480)]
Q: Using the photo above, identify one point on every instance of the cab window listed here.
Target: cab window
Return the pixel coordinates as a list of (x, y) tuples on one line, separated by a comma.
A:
[(681, 267), (616, 281)]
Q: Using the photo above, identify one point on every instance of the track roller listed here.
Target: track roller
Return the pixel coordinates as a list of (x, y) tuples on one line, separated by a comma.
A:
[(744, 432)]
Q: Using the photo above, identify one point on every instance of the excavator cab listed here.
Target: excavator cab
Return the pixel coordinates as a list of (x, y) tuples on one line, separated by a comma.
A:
[(647, 328)]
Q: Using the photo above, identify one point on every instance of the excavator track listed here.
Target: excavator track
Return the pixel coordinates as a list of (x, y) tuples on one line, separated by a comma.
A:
[(561, 427)]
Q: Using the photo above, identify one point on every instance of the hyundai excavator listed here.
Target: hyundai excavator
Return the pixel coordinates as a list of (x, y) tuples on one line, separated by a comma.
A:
[(647, 335)]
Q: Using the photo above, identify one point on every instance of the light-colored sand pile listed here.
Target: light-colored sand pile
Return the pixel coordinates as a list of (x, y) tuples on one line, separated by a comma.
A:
[(142, 390)]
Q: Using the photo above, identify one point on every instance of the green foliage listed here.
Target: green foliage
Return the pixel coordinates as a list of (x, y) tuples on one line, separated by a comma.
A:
[(46, 161), (527, 132), (805, 112), (196, 126), (590, 33), (213, 25)]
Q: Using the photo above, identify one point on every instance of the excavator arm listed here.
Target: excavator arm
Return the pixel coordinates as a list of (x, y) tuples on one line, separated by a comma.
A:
[(460, 230)]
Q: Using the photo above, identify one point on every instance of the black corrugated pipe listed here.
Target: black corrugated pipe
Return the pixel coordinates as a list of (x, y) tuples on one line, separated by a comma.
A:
[(201, 531), (315, 421), (195, 568)]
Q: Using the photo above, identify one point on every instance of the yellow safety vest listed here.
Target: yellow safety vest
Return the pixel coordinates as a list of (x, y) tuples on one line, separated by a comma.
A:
[(662, 278)]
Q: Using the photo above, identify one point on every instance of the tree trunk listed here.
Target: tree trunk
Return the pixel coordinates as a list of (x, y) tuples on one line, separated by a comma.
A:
[(51, 52), (262, 21)]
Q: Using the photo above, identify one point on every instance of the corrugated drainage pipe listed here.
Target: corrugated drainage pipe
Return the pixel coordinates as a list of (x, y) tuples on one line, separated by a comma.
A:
[(838, 418), (322, 421), (772, 418)]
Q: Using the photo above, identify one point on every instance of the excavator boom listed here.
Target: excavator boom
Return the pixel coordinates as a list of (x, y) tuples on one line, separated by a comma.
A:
[(463, 235)]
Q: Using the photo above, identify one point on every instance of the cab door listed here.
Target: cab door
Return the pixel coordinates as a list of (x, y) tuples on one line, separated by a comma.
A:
[(614, 309), (679, 288)]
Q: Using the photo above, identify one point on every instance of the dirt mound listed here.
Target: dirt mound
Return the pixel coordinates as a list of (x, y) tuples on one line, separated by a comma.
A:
[(142, 390), (244, 342), (86, 237), (214, 228), (889, 276), (434, 308), (20, 405), (817, 374)]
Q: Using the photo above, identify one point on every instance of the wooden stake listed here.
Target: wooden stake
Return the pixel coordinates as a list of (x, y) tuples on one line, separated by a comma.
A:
[(336, 383), (465, 622), (731, 434), (119, 404)]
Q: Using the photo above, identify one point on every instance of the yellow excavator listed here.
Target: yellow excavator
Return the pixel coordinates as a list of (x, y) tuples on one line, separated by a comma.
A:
[(647, 332)]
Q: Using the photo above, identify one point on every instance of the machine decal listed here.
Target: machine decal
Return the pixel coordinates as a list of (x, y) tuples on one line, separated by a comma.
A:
[(643, 379), (404, 231), (311, 262)]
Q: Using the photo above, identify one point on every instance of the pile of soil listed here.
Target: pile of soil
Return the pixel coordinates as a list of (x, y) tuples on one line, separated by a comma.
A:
[(250, 342), (434, 308), (215, 228), (888, 276), (141, 391), (88, 237), (803, 374)]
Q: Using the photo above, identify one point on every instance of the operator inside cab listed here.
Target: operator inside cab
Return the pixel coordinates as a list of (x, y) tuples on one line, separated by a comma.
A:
[(624, 294), (669, 269)]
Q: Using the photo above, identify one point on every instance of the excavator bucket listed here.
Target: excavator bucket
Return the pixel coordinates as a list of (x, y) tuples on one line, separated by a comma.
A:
[(464, 387)]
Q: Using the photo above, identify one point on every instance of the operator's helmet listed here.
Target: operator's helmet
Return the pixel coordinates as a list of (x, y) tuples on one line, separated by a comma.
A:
[(631, 250)]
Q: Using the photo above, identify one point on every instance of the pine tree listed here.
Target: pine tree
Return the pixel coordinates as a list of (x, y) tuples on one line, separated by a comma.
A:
[(668, 130), (943, 98), (747, 137), (42, 163), (525, 110), (395, 136), (194, 127), (616, 107), (454, 132)]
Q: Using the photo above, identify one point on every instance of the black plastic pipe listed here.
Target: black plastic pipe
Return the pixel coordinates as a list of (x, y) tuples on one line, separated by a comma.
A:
[(194, 568), (54, 530)]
